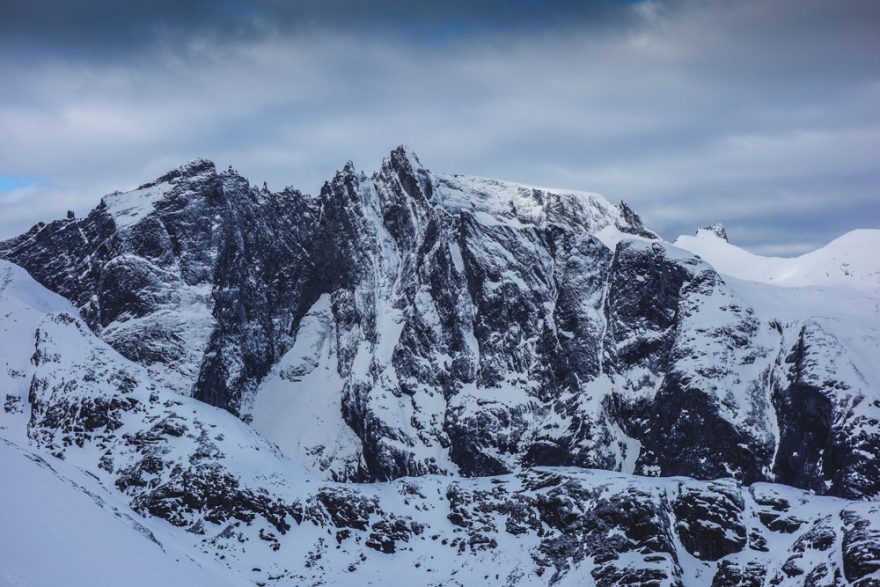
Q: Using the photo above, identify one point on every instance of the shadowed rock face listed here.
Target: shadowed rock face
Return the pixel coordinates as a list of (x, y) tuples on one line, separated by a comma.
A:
[(196, 275), (826, 440), (475, 327)]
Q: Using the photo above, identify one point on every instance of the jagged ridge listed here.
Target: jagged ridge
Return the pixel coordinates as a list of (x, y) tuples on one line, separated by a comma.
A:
[(411, 322)]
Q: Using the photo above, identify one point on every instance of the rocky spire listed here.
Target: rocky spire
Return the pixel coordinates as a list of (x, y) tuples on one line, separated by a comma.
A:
[(717, 229)]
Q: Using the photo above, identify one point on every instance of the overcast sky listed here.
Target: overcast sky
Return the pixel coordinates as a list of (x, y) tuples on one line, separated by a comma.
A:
[(762, 115)]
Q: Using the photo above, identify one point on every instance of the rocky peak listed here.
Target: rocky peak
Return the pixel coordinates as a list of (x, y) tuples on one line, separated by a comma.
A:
[(631, 223), (193, 168), (404, 166), (404, 158), (344, 181), (716, 229)]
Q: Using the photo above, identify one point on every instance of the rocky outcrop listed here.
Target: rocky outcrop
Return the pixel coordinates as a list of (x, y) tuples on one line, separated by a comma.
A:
[(716, 229), (827, 419)]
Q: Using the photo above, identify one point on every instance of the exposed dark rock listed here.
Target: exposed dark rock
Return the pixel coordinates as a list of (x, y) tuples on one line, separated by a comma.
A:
[(861, 544), (709, 521)]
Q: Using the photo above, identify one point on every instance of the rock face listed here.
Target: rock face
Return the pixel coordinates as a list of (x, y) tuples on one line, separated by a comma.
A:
[(827, 420), (196, 275), (409, 323)]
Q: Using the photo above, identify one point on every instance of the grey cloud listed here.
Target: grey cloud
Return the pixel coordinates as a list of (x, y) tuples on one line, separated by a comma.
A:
[(103, 29), (765, 116)]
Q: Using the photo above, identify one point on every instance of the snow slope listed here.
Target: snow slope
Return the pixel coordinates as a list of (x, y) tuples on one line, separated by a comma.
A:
[(60, 527), (299, 405), (24, 304), (522, 204), (852, 260)]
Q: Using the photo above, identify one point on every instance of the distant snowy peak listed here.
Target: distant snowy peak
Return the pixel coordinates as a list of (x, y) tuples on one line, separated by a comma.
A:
[(716, 229), (850, 260)]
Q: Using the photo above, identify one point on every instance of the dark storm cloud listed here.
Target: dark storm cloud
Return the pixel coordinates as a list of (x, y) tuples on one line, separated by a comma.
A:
[(762, 115), (112, 28)]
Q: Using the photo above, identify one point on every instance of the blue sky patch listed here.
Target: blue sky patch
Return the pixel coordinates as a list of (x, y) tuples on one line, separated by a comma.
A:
[(11, 182)]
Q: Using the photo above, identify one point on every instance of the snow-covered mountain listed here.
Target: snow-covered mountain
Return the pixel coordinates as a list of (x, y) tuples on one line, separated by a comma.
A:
[(472, 345)]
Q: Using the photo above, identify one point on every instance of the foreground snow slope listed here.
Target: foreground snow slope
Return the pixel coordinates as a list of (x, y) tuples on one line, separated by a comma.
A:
[(61, 527), (94, 439), (852, 260)]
